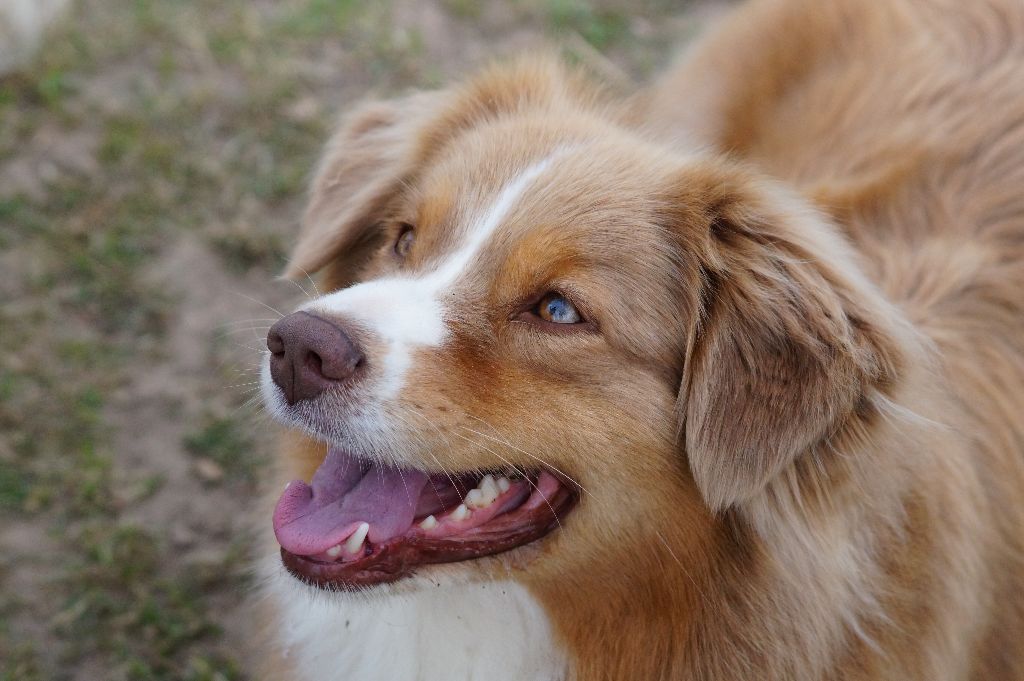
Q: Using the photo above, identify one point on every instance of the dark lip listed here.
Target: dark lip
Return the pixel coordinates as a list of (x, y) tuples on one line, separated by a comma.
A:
[(401, 556)]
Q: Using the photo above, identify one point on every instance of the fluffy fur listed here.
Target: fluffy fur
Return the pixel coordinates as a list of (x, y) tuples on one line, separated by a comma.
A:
[(493, 631), (798, 418)]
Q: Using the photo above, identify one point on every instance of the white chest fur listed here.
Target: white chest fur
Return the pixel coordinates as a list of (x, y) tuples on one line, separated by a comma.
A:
[(487, 632)]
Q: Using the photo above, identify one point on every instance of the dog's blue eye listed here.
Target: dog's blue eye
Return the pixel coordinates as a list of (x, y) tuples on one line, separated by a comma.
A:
[(555, 308)]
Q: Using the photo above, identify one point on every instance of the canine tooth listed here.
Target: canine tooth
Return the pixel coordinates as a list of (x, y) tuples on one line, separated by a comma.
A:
[(461, 513), (428, 523), (503, 484), (355, 540), (334, 551)]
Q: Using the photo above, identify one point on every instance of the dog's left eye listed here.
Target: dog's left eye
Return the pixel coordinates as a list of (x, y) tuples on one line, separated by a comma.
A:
[(556, 308), (403, 244)]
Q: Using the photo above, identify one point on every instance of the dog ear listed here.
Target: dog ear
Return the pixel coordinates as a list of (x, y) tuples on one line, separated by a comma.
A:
[(788, 338), (363, 166)]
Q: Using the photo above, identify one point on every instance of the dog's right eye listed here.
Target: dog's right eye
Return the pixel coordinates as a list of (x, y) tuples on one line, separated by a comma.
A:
[(555, 313), (403, 244), (556, 309)]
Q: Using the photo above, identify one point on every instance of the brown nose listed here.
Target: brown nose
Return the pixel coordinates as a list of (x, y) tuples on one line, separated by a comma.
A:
[(309, 354)]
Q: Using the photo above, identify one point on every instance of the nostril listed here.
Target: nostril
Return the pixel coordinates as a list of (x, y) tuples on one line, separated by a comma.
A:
[(275, 343), (315, 363)]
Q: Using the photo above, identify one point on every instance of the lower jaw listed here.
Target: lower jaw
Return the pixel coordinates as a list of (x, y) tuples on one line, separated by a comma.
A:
[(402, 556)]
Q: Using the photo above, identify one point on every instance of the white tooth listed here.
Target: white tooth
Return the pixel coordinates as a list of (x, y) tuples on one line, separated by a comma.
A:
[(490, 490), (503, 484), (355, 541), (475, 499), (429, 523), (461, 513), (334, 551)]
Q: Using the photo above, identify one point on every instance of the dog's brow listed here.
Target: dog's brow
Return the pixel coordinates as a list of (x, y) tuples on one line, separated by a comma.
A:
[(489, 221)]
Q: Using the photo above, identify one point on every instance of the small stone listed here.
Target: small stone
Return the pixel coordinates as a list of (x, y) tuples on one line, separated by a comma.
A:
[(209, 470), (304, 110)]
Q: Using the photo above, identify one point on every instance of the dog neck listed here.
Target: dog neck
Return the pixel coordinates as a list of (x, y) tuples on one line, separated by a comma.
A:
[(495, 631)]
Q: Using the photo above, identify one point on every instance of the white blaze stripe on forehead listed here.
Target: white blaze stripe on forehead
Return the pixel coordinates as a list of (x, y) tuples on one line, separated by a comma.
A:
[(491, 219), (406, 312)]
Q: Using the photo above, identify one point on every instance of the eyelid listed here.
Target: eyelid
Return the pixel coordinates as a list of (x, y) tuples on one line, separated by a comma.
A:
[(529, 318)]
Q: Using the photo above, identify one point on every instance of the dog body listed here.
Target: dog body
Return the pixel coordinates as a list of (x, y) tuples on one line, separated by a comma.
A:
[(787, 392)]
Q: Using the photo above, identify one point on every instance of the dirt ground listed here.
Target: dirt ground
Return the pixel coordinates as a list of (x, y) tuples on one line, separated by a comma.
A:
[(153, 159)]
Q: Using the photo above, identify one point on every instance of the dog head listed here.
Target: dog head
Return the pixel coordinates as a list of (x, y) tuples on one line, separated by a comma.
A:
[(537, 319)]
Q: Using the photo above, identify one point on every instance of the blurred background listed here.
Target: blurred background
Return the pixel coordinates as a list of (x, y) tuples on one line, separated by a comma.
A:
[(153, 161)]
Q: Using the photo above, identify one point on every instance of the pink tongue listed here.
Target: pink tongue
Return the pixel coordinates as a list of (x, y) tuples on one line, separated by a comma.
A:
[(344, 492)]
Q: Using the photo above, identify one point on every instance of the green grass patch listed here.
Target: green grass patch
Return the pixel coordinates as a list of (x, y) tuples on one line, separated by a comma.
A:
[(317, 18), (53, 87), (20, 663), (120, 604), (122, 136), (602, 28), (464, 9), (222, 441), (243, 246), (15, 485)]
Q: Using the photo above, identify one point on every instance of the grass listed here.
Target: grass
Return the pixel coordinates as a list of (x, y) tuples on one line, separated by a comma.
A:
[(223, 442), (80, 300), (118, 580), (21, 663), (600, 27), (143, 126)]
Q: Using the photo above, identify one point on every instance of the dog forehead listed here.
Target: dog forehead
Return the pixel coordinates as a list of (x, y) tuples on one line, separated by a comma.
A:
[(488, 216)]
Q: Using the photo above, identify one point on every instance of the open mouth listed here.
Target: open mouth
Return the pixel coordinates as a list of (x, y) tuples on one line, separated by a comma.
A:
[(359, 524)]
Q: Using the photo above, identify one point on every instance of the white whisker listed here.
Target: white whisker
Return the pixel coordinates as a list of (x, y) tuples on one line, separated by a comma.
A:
[(523, 451), (681, 566), (430, 454), (296, 285), (241, 385), (239, 322), (525, 477), (259, 302), (231, 332), (311, 281)]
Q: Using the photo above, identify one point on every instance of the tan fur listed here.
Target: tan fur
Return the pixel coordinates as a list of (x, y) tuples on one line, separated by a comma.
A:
[(800, 424)]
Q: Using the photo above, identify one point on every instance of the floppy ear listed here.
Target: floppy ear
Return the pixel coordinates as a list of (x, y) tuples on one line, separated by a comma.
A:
[(788, 341), (363, 166)]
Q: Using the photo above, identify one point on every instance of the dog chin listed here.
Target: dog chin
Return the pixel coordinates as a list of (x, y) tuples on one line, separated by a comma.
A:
[(431, 577)]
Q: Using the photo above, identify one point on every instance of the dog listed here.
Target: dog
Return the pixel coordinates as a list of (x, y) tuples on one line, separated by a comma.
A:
[(721, 379)]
